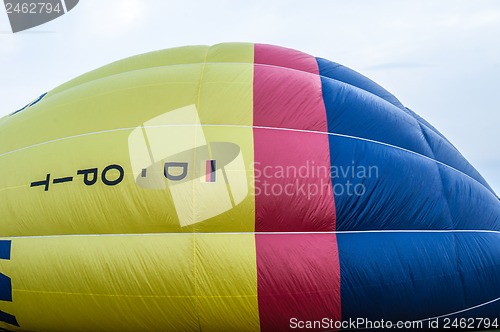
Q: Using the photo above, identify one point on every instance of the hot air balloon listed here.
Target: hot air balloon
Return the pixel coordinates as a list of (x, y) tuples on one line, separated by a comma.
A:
[(237, 187)]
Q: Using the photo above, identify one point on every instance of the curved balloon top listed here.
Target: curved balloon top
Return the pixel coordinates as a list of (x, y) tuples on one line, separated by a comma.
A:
[(296, 174), (270, 102)]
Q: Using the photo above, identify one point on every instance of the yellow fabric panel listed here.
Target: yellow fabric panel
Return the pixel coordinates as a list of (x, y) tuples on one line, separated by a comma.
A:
[(73, 208), (226, 99), (140, 78), (161, 58), (90, 125), (226, 282), (231, 52), (114, 102), (226, 52), (186, 272), (183, 282)]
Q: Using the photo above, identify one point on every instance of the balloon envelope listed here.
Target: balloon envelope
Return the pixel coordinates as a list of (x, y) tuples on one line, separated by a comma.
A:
[(236, 187)]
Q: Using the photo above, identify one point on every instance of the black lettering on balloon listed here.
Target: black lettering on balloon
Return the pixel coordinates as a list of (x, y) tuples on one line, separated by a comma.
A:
[(87, 173), (116, 181), (175, 177), (44, 183)]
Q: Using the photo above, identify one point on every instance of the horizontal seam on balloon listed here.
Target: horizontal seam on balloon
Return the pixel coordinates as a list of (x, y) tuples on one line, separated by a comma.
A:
[(131, 295), (250, 63), (140, 69), (253, 127), (461, 311), (118, 90), (248, 233), (146, 68), (232, 296), (420, 280), (13, 187), (141, 86), (453, 313)]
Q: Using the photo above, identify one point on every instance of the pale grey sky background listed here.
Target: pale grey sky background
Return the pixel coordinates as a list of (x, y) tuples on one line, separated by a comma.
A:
[(441, 58)]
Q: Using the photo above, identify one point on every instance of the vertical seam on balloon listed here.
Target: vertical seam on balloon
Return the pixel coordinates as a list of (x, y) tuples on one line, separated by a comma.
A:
[(253, 196), (257, 283), (196, 300), (198, 103), (253, 172), (267, 250), (433, 156), (148, 144), (328, 143), (447, 203), (339, 273)]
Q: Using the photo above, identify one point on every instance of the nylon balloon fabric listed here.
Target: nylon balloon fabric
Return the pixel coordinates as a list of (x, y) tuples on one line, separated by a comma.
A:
[(237, 187)]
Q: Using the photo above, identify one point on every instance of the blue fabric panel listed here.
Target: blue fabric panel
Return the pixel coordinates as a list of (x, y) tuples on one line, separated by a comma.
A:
[(415, 275), (393, 171), (424, 123), (380, 187), (389, 189), (471, 205), (343, 74), (443, 151), (354, 111)]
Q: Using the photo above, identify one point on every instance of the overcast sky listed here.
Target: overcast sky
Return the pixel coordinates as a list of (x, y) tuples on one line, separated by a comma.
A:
[(440, 58)]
